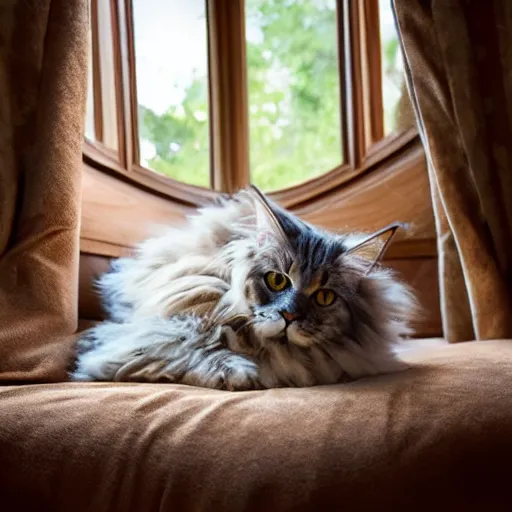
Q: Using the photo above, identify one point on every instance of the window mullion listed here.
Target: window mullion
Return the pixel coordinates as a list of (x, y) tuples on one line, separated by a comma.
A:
[(131, 83), (372, 71), (344, 80), (229, 127), (96, 72), (104, 74), (122, 56), (354, 83)]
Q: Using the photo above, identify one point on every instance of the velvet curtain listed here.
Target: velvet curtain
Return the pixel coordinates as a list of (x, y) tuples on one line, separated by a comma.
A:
[(43, 75), (458, 56)]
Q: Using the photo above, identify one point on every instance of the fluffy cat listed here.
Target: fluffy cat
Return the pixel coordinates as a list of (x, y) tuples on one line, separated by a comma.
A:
[(248, 296)]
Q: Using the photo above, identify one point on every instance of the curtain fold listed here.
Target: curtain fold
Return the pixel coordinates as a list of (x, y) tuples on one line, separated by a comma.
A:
[(458, 56), (43, 82)]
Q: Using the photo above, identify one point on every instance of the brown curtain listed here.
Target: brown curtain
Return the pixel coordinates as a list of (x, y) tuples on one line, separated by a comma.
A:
[(43, 75), (458, 57)]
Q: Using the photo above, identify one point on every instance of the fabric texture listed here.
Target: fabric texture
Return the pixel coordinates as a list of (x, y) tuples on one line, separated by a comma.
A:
[(435, 437), (43, 74), (458, 57)]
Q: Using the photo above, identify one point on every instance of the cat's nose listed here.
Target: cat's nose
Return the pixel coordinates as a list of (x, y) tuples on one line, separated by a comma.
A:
[(289, 317)]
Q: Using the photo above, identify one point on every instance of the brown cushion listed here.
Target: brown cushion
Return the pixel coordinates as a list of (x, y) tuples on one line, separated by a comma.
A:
[(436, 437)]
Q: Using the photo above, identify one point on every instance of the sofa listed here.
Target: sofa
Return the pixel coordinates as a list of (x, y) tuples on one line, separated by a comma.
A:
[(437, 436)]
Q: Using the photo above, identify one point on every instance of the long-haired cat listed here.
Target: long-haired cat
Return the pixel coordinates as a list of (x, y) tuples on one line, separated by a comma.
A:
[(248, 296)]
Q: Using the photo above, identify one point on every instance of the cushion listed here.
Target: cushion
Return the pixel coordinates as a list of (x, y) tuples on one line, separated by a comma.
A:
[(437, 436)]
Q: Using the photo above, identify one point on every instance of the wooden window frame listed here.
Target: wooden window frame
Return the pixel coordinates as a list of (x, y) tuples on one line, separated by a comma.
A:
[(365, 147)]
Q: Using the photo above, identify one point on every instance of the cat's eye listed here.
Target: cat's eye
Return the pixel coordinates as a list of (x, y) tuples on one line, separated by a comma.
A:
[(276, 281), (325, 297)]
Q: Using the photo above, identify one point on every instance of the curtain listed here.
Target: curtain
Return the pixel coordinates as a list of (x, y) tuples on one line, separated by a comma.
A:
[(43, 75), (458, 56)]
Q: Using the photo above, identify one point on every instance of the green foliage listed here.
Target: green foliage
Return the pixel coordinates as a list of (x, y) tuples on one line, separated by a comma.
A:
[(294, 98), (293, 91), (180, 137)]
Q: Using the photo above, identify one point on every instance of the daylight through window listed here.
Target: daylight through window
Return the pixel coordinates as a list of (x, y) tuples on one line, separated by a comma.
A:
[(289, 90)]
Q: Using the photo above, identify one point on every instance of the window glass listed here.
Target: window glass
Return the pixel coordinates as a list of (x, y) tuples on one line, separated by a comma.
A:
[(398, 113), (171, 60), (294, 90)]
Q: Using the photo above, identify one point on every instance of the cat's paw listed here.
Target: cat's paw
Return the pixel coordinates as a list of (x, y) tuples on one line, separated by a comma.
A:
[(240, 374)]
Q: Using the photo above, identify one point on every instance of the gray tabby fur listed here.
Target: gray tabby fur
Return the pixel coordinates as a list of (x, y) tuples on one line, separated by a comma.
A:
[(192, 306)]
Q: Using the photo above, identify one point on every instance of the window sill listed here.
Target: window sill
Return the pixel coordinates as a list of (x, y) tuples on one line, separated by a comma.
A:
[(101, 158), (118, 213)]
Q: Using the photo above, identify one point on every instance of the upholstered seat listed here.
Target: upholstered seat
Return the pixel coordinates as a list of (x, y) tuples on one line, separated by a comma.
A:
[(435, 437)]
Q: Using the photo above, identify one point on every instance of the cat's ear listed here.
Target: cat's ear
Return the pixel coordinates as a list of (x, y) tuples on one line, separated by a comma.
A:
[(372, 247), (268, 225)]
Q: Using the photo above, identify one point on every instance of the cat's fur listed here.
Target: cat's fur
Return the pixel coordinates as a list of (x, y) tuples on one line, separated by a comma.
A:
[(194, 306)]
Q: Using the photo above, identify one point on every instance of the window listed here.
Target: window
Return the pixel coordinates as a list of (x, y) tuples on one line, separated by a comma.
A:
[(398, 114), (102, 105), (193, 96), (294, 91), (172, 88)]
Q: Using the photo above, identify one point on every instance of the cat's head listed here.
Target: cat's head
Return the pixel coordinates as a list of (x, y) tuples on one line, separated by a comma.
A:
[(306, 286)]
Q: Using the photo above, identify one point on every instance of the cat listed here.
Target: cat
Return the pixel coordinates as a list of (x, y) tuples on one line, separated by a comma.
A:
[(248, 296)]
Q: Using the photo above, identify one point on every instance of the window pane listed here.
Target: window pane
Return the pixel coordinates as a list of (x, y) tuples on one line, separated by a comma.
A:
[(398, 113), (101, 111), (171, 56), (294, 90)]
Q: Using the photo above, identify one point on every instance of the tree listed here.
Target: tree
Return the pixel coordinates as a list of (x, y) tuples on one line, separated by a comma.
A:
[(293, 91), (180, 136)]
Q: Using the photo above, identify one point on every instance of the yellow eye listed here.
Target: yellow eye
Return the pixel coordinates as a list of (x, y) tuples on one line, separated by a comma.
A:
[(276, 282), (325, 297)]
